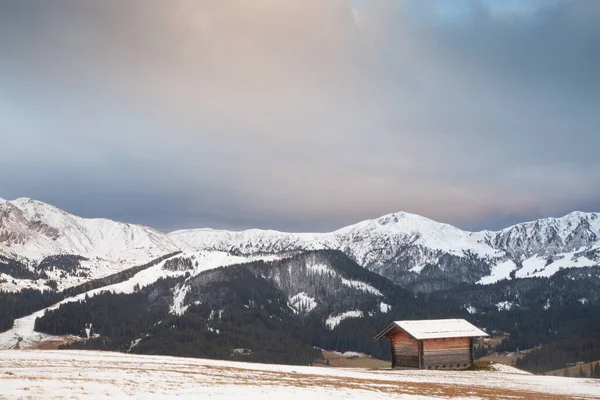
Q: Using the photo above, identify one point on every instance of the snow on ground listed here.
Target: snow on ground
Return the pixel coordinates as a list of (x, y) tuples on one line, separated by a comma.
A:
[(384, 308), (320, 269), (351, 354), (547, 305), (470, 309), (568, 261), (365, 287), (536, 267), (508, 369), (504, 305), (85, 374), (499, 271), (10, 284), (303, 302), (134, 343), (531, 266), (417, 268), (334, 320), (95, 269), (178, 307)]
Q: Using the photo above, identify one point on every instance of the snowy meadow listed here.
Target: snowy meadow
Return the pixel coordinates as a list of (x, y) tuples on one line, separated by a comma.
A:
[(86, 374)]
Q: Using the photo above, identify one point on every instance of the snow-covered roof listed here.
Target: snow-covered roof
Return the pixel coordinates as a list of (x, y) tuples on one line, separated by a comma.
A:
[(435, 329)]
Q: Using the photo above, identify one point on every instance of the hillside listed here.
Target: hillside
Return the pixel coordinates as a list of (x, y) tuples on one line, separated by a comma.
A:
[(278, 309), (580, 369)]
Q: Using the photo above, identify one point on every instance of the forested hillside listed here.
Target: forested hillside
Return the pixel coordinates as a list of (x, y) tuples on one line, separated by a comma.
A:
[(280, 310), (27, 301), (572, 349), (248, 306)]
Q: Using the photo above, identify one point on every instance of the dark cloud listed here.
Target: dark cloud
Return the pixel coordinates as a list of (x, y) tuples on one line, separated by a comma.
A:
[(301, 115)]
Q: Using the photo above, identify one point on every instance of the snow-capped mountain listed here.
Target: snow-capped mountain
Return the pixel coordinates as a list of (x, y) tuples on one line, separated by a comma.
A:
[(41, 243), (361, 239), (425, 254), (411, 250), (403, 247), (35, 230)]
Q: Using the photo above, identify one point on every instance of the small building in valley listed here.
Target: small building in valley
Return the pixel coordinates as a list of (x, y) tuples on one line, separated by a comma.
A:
[(432, 344)]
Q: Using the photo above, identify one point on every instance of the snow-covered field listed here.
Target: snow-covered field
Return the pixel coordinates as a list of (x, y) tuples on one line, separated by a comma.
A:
[(83, 374)]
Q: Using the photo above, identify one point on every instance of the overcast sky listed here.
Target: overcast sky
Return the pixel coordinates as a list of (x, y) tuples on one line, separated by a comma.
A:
[(301, 115)]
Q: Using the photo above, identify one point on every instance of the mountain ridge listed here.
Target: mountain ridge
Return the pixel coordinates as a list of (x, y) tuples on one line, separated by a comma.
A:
[(594, 214), (411, 250)]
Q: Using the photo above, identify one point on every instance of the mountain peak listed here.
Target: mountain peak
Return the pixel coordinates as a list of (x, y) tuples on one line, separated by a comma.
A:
[(574, 217), (403, 216), (32, 229), (582, 215), (28, 200), (29, 203), (398, 219), (407, 222)]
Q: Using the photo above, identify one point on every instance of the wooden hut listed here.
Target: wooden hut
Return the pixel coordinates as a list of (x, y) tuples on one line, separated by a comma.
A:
[(432, 344)]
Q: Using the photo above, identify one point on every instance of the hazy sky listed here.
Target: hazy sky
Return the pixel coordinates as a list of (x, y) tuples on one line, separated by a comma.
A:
[(301, 114)]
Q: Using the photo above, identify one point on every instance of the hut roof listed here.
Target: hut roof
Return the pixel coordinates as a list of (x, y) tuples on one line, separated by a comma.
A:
[(435, 329)]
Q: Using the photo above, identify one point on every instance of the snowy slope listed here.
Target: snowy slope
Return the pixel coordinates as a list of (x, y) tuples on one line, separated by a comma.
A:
[(89, 374)]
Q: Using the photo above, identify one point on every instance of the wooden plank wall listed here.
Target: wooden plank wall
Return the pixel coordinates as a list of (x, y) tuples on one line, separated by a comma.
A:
[(452, 353), (405, 351)]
